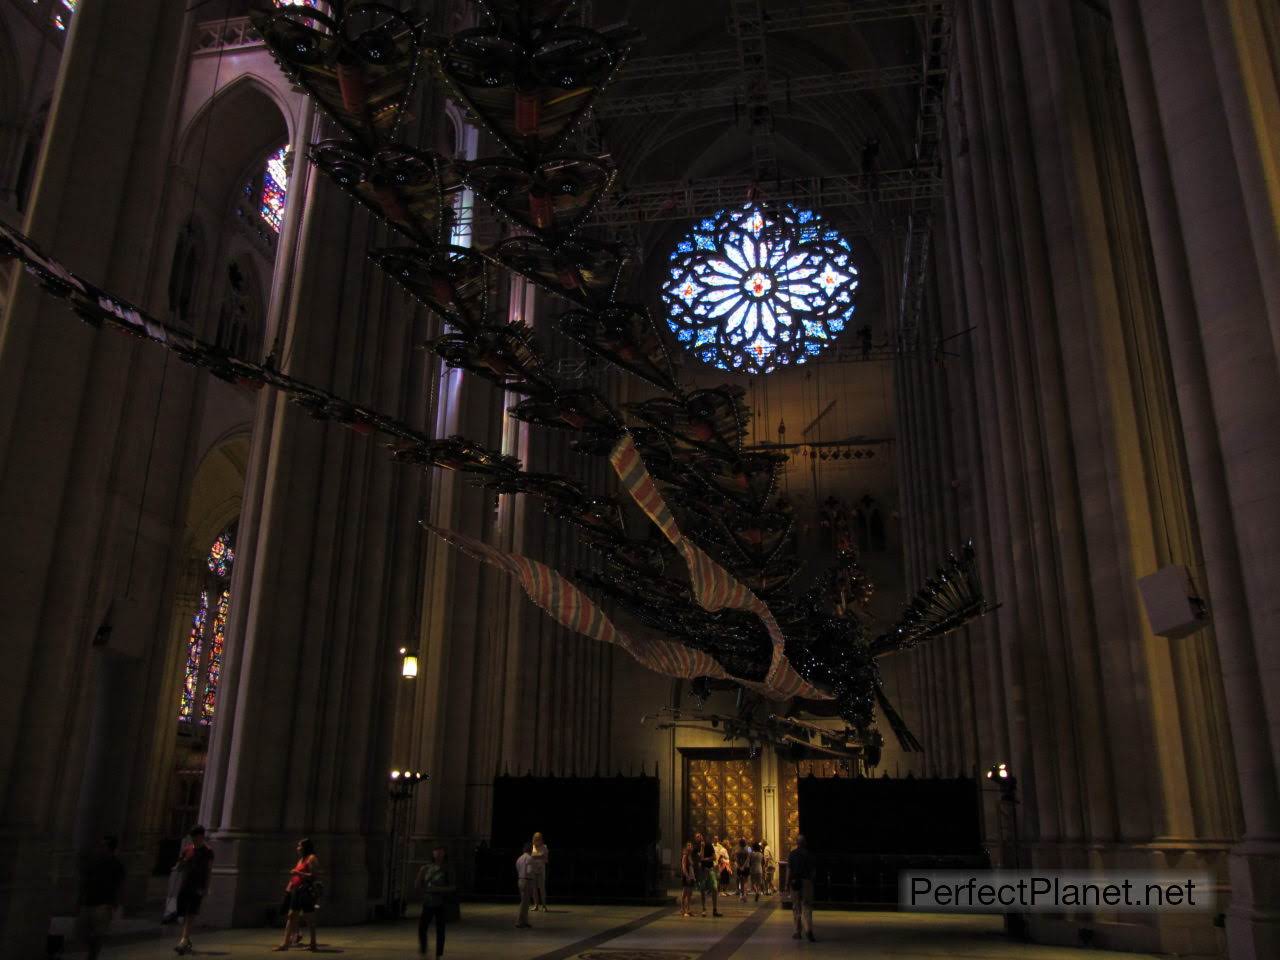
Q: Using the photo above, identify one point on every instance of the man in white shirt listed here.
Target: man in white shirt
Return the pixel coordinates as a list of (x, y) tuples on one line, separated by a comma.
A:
[(524, 879)]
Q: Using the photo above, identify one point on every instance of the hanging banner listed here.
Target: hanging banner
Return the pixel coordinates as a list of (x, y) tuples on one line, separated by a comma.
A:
[(576, 611), (713, 586)]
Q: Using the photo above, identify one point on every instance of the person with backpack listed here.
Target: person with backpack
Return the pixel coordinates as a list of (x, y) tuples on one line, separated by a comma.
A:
[(742, 867), (755, 865), (195, 867), (439, 892)]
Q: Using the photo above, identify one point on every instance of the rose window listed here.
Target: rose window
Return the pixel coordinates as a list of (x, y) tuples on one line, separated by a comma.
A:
[(754, 288)]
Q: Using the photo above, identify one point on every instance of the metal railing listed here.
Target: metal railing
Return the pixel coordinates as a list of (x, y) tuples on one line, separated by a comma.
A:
[(214, 36)]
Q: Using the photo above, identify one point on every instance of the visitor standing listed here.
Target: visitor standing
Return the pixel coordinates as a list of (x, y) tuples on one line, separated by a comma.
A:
[(540, 855), (708, 881), (435, 882), (802, 868), (101, 877), (195, 866), (755, 865), (300, 896), (724, 875), (742, 867), (524, 880), (688, 877), (770, 868)]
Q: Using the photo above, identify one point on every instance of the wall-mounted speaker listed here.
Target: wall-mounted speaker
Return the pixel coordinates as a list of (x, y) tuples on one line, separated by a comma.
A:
[(1173, 608)]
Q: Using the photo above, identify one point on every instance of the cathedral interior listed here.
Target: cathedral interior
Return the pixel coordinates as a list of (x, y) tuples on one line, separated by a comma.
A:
[(428, 422)]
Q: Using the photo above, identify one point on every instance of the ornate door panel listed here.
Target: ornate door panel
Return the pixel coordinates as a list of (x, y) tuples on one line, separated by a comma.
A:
[(722, 796)]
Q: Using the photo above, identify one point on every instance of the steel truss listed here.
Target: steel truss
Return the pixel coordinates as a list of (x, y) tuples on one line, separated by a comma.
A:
[(776, 92), (684, 200), (935, 66)]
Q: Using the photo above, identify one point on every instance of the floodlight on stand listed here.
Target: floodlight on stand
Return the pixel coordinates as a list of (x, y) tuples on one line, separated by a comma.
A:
[(1003, 778)]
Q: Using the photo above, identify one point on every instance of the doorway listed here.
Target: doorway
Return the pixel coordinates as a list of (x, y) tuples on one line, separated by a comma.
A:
[(721, 793)]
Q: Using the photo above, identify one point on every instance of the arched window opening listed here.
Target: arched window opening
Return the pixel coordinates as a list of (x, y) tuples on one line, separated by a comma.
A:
[(237, 318), (879, 540), (861, 532), (207, 637), (26, 176), (182, 275)]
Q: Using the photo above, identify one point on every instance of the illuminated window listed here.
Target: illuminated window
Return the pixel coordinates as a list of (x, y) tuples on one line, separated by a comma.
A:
[(62, 12), (757, 287), (207, 637), (275, 189)]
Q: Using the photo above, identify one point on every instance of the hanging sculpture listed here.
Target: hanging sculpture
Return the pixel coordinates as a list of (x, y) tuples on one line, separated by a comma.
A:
[(713, 589)]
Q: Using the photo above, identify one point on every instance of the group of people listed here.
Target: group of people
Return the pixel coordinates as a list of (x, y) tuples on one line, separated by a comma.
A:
[(194, 869), (438, 885), (705, 865), (531, 879), (709, 866)]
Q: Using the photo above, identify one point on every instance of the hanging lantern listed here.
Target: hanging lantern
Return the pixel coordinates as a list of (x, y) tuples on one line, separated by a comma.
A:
[(408, 664)]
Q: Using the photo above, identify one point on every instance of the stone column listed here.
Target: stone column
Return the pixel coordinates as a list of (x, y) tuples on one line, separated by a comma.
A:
[(1223, 353), (82, 429), (303, 743)]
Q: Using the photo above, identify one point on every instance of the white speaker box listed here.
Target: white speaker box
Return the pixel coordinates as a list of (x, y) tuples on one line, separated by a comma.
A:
[(1173, 609)]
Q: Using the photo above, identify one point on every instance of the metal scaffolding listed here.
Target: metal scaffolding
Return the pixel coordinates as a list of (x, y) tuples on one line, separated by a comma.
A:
[(772, 92), (927, 153), (686, 199)]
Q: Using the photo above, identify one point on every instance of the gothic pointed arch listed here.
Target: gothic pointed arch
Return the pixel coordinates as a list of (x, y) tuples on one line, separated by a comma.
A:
[(231, 132)]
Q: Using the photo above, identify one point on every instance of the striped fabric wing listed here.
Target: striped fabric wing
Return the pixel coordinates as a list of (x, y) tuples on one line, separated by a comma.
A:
[(573, 609), (713, 586)]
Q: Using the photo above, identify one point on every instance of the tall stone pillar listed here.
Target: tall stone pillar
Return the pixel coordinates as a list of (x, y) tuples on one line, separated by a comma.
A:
[(1211, 274), (303, 742), (90, 458)]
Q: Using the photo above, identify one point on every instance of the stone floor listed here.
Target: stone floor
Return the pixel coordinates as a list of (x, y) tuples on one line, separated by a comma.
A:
[(745, 932)]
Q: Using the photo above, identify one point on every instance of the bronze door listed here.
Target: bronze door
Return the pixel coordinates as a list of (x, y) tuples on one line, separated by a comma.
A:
[(722, 798)]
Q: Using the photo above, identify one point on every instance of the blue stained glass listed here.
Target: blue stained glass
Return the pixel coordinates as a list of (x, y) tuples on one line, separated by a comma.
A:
[(275, 188), (760, 287)]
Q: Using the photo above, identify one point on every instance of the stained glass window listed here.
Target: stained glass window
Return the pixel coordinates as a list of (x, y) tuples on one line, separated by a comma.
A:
[(757, 287), (61, 15), (195, 651), (207, 637), (221, 556), (275, 188), (216, 638)]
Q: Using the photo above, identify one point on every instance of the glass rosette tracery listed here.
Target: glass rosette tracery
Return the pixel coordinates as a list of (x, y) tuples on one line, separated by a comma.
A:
[(757, 287)]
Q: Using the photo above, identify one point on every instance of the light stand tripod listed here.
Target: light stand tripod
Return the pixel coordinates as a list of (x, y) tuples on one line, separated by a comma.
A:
[(402, 786)]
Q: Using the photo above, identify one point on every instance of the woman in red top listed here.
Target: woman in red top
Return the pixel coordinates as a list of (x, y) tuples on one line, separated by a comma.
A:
[(300, 895)]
